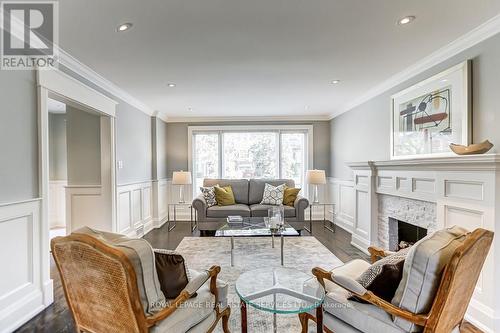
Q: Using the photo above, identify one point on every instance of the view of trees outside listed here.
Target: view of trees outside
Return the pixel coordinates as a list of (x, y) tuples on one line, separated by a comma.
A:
[(206, 162), (293, 157), (250, 155)]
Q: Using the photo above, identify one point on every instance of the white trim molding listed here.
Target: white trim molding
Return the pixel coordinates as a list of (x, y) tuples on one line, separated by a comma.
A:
[(473, 37), (26, 287), (459, 190), (135, 209), (236, 119)]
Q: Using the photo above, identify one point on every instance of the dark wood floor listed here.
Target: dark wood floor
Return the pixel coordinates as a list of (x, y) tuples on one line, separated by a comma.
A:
[(57, 318)]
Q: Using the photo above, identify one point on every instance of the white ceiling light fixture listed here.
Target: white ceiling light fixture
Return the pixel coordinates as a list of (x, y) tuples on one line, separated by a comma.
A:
[(171, 85), (335, 81), (124, 27), (406, 20)]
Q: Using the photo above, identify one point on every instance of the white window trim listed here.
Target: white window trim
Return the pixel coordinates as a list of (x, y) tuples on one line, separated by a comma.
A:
[(309, 129)]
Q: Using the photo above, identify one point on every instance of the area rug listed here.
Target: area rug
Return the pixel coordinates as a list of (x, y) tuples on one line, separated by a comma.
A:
[(302, 253)]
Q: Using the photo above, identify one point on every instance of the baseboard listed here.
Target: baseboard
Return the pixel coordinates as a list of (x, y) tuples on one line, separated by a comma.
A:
[(159, 222), (360, 243), (482, 317), (21, 311), (344, 224)]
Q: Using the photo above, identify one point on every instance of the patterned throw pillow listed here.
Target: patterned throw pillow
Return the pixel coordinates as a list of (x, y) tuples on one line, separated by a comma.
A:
[(209, 195), (273, 195), (383, 277)]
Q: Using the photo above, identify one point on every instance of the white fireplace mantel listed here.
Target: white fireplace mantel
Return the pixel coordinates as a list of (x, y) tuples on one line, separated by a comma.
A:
[(464, 190)]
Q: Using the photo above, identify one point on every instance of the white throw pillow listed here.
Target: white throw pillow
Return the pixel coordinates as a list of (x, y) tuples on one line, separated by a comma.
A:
[(209, 195), (273, 195)]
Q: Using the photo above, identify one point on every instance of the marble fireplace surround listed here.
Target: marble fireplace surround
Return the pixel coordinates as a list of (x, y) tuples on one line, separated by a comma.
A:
[(434, 193), (416, 212)]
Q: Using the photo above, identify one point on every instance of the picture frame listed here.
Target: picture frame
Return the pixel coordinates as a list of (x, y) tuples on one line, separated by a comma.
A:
[(428, 116)]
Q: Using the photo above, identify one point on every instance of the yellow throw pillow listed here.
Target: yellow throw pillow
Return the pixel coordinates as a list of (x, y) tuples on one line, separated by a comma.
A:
[(290, 196), (224, 195)]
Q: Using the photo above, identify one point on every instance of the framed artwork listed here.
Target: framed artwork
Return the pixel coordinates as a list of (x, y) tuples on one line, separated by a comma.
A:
[(431, 114)]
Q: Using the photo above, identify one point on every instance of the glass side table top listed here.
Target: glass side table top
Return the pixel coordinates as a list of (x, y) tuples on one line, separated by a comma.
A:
[(280, 290), (254, 226)]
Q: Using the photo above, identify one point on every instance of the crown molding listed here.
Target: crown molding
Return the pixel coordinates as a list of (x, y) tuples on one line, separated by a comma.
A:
[(473, 37), (79, 68), (89, 74), (290, 118)]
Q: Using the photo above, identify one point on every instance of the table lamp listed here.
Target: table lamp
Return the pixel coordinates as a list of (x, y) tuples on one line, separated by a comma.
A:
[(315, 177), (181, 178)]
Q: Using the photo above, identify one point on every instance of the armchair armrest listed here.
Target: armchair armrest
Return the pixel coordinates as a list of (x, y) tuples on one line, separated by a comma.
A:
[(376, 253), (300, 204), (188, 291), (354, 287), (200, 205)]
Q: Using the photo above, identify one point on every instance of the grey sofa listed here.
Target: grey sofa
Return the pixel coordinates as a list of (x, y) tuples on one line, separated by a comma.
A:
[(248, 195)]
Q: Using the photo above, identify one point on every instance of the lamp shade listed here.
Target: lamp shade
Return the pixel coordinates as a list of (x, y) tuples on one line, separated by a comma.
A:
[(316, 177), (181, 178)]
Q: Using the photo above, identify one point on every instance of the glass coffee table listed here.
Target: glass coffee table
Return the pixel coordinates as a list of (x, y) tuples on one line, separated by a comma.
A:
[(280, 291), (255, 227)]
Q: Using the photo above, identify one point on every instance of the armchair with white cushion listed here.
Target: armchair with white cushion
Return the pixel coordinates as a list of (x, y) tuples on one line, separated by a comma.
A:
[(451, 259), (111, 285)]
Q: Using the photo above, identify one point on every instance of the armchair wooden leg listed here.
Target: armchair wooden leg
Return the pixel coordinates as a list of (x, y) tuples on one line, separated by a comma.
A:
[(304, 320), (225, 319)]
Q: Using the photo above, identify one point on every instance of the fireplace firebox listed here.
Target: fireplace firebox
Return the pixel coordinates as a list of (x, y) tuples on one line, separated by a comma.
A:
[(403, 234)]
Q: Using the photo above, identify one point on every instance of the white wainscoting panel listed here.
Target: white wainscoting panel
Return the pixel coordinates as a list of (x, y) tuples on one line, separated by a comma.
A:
[(135, 208), (160, 201), (57, 203), (341, 193), (85, 206), (23, 291)]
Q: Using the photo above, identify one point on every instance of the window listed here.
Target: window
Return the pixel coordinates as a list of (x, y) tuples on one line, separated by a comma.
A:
[(250, 152)]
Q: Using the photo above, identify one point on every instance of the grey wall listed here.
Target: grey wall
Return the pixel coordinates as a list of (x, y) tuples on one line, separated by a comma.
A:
[(58, 169), (18, 136), (362, 133), (133, 144), (177, 142), (83, 139)]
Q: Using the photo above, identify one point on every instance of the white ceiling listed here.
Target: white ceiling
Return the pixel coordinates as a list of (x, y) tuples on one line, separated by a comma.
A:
[(258, 57)]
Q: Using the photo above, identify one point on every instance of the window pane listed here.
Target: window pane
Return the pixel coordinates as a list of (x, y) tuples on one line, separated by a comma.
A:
[(206, 157), (293, 157), (250, 155)]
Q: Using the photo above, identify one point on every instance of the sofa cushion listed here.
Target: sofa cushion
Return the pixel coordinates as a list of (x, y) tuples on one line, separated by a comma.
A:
[(209, 195), (224, 196), (259, 210), (422, 272), (290, 196), (141, 256), (256, 188), (225, 211), (239, 187), (273, 195)]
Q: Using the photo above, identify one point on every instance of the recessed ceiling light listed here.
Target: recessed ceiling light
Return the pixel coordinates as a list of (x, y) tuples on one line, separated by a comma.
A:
[(335, 81), (406, 20), (171, 85), (124, 27)]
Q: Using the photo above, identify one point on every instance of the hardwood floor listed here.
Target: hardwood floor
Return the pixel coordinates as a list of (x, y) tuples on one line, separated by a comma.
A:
[(58, 319)]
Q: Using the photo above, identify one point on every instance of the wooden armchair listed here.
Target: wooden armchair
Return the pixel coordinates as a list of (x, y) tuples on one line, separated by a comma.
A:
[(450, 303), (101, 289)]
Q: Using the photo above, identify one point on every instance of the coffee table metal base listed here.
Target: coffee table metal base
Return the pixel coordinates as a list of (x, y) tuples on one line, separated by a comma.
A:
[(282, 243)]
